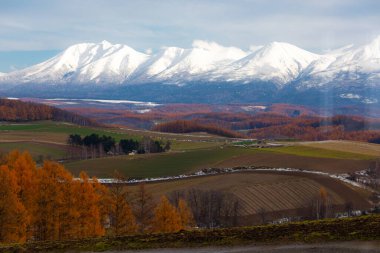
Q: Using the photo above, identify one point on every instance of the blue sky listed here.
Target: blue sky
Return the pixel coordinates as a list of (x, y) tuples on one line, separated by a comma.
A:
[(32, 31)]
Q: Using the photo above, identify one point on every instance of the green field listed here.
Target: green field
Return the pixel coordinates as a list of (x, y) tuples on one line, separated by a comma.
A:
[(49, 131), (37, 150), (318, 152), (156, 165), (47, 139), (64, 128)]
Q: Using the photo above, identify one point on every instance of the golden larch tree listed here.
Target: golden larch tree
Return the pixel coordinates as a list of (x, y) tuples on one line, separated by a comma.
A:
[(13, 219), (55, 216), (187, 218), (104, 202), (123, 221), (166, 217), (89, 214), (143, 207), (24, 168)]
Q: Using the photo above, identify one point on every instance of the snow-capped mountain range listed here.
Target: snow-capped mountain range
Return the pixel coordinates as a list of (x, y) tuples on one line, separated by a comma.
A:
[(280, 64)]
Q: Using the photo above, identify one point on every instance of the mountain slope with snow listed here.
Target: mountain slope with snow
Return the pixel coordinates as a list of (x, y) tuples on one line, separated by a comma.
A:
[(277, 62), (206, 71), (83, 63), (350, 64), (178, 65)]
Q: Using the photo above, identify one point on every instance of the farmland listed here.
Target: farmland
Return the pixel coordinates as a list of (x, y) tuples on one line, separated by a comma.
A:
[(157, 165), (346, 146), (278, 193), (38, 150), (189, 152)]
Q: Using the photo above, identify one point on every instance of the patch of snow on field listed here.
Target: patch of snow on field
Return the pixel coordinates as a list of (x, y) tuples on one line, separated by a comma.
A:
[(150, 104), (213, 171)]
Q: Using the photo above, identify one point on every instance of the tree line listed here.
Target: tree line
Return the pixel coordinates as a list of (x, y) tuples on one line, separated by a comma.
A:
[(16, 110), (275, 126), (189, 126), (48, 203), (94, 145)]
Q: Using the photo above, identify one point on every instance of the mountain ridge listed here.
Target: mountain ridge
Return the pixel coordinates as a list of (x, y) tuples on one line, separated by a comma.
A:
[(276, 72)]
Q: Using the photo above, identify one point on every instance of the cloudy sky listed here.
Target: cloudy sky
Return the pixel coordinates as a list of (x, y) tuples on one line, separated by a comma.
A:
[(32, 31)]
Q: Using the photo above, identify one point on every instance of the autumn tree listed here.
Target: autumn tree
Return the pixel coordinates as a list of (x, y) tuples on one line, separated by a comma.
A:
[(25, 171), (89, 213), (104, 202), (55, 216), (122, 219), (166, 217), (143, 207), (13, 220), (187, 219), (322, 204)]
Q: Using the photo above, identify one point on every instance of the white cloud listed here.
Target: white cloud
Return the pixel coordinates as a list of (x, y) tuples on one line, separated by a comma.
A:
[(312, 24)]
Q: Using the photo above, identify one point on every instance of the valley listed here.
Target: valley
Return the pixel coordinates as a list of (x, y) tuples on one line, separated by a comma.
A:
[(279, 193)]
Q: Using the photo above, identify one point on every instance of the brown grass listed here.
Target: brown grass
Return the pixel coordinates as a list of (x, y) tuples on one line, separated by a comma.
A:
[(279, 160), (346, 146)]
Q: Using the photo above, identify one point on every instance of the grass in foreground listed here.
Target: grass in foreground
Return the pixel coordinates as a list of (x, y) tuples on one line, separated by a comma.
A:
[(363, 228)]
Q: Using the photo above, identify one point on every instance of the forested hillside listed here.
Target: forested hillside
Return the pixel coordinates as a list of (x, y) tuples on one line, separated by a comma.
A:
[(189, 126), (19, 111)]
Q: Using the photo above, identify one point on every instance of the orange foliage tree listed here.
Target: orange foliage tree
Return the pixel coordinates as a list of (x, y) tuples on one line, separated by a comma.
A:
[(13, 219), (123, 221), (88, 208), (187, 219), (24, 168), (143, 208), (166, 217)]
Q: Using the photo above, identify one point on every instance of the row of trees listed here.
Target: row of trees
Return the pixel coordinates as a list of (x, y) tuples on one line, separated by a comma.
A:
[(189, 126), (273, 126), (94, 146), (15, 110), (47, 203), (210, 208)]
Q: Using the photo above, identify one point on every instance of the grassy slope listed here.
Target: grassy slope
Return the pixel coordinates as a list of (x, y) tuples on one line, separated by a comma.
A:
[(62, 128), (58, 132), (200, 153), (364, 228), (48, 151), (346, 146), (156, 165), (319, 152)]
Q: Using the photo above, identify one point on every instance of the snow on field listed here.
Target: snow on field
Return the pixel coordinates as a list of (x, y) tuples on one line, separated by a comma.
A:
[(138, 103), (216, 171)]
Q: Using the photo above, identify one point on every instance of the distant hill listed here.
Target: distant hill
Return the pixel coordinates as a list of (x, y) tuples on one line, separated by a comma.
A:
[(188, 126), (19, 111)]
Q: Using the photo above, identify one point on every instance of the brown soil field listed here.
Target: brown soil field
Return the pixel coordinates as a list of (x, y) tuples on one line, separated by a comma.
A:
[(278, 160), (278, 193), (346, 146)]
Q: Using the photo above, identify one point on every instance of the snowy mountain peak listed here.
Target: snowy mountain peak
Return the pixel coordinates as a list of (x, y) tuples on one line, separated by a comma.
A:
[(206, 61), (278, 62), (106, 44)]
